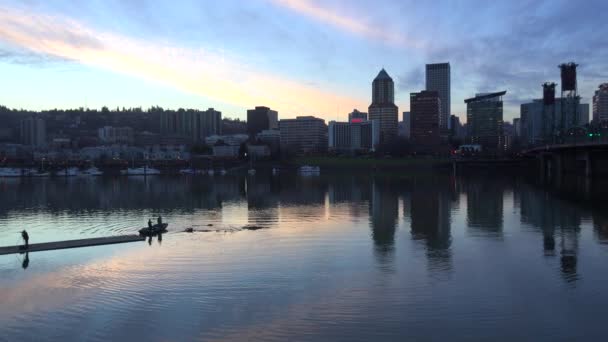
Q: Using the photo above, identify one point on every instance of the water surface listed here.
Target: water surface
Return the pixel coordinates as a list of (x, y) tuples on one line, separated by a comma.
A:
[(338, 257)]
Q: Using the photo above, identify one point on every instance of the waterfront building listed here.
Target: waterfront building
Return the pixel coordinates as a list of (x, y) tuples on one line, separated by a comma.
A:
[(383, 106), (532, 127), (33, 132), (303, 135), (357, 116), (438, 79), (600, 103), (115, 135), (192, 125), (351, 137), (425, 108), (485, 120), (261, 118)]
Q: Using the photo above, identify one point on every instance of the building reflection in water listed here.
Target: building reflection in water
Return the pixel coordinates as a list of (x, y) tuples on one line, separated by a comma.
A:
[(383, 213), (484, 206), (430, 205), (559, 222), (262, 200)]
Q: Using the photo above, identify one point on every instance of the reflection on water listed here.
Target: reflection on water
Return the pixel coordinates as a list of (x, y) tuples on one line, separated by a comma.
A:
[(344, 257)]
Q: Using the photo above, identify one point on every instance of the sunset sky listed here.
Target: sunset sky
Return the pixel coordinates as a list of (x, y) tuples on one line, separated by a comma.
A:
[(301, 57)]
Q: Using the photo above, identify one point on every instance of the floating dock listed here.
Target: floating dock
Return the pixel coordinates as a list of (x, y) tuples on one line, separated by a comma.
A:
[(48, 246)]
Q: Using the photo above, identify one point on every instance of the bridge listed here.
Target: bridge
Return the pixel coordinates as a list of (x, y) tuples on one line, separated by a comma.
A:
[(580, 155)]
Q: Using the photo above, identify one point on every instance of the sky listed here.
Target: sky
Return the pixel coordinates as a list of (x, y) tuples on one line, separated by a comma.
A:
[(300, 57)]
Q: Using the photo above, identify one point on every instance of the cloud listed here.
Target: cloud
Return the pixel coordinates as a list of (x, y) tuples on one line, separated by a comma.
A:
[(197, 71), (354, 25)]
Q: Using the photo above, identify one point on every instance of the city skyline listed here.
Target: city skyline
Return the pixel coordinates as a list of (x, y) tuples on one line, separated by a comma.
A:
[(59, 55)]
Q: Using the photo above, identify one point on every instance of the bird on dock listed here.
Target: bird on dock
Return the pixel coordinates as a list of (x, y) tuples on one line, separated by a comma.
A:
[(26, 238)]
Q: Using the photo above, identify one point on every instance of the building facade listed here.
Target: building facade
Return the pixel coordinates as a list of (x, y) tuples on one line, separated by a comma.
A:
[(353, 137), (485, 121), (425, 108), (261, 118), (534, 130), (190, 125), (357, 116), (33, 132), (303, 135), (115, 135), (438, 79), (405, 125), (383, 106), (600, 103)]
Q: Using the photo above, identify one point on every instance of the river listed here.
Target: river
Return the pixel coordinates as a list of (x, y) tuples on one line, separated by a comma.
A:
[(338, 257)]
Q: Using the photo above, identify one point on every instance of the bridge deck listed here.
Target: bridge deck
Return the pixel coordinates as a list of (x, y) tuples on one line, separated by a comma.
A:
[(47, 246)]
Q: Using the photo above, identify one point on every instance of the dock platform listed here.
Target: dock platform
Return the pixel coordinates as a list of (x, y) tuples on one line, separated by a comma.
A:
[(47, 246)]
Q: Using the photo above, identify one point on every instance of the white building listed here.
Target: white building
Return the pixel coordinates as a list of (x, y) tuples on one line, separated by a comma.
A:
[(353, 136), (438, 79)]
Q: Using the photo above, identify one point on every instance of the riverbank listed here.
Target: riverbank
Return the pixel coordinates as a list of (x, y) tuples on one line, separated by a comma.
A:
[(373, 163)]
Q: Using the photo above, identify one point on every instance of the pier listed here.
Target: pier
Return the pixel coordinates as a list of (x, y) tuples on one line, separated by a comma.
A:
[(48, 246)]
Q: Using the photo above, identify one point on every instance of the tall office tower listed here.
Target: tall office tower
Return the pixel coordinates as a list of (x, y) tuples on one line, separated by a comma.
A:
[(33, 132), (383, 106), (600, 104), (261, 118), (206, 124), (303, 135), (425, 108), (484, 120), (357, 116), (405, 126), (438, 79)]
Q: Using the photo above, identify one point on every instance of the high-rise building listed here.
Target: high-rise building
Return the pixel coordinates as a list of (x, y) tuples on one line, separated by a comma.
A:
[(425, 108), (357, 116), (191, 125), (405, 126), (33, 132), (456, 130), (600, 103), (438, 79), (115, 135), (383, 106), (536, 130), (352, 137), (303, 135), (261, 118), (484, 120), (206, 124)]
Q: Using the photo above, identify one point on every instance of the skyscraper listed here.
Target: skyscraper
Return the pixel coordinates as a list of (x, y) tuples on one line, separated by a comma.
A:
[(357, 116), (438, 79), (484, 120), (425, 108), (33, 132), (600, 103), (383, 106), (261, 118)]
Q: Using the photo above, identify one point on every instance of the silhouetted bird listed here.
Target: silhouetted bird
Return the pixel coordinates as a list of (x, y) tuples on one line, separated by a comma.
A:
[(26, 238)]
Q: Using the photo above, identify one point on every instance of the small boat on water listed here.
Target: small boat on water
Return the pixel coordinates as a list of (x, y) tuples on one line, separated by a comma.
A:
[(309, 170), (140, 171), (92, 171), (210, 172), (12, 172), (251, 171), (155, 229), (69, 172)]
